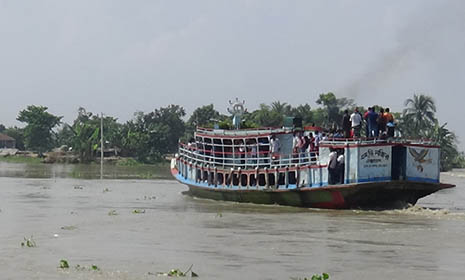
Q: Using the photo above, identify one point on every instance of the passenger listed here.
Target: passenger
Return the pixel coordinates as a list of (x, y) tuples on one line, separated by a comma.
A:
[(388, 116), (365, 117), (332, 167), (339, 134), (390, 129), (340, 167), (372, 123), (346, 125), (275, 145), (356, 120), (381, 121)]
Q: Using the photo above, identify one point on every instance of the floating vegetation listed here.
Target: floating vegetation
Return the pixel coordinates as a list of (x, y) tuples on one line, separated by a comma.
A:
[(112, 213), (68, 227), (323, 276), (78, 267), (106, 190), (177, 273), (94, 267), (149, 197), (64, 264), (28, 242), (138, 211), (78, 187), (46, 187), (219, 215)]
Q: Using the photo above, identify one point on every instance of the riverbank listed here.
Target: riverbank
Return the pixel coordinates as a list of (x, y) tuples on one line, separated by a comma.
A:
[(24, 167)]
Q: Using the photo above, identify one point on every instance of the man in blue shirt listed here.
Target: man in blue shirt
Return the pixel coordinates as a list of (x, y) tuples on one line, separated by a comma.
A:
[(372, 123)]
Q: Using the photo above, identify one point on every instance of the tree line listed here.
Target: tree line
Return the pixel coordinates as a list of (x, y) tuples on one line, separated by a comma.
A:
[(149, 136)]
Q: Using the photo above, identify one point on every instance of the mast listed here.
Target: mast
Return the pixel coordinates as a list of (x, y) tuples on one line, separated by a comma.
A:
[(101, 145)]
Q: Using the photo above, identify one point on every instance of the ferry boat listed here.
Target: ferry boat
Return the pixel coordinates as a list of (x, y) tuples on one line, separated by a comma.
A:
[(243, 166)]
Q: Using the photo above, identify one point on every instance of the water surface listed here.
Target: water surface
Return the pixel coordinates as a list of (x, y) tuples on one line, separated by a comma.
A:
[(69, 219)]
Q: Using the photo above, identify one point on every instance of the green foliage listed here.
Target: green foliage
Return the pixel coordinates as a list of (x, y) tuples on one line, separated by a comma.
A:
[(149, 136), (333, 107), (2, 128), (419, 116), (323, 276), (178, 273), (64, 264), (39, 125), (28, 242), (204, 116)]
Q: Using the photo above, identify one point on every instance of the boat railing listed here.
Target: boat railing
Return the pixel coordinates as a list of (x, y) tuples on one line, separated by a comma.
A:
[(246, 159), (367, 141)]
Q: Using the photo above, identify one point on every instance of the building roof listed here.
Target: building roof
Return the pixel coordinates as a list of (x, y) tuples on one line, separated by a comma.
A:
[(4, 137)]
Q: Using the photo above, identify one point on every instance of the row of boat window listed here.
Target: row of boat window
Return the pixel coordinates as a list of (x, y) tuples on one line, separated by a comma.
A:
[(226, 145), (245, 180)]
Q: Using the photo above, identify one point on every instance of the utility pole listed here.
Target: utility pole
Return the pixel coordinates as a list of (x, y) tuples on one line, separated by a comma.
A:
[(101, 145)]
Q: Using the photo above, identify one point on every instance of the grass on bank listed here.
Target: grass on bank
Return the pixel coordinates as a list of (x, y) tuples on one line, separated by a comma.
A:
[(21, 159)]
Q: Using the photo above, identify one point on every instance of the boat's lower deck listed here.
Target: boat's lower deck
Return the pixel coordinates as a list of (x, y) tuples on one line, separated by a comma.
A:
[(378, 195)]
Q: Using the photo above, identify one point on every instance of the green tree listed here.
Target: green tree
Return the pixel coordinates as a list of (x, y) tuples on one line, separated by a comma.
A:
[(2, 128), (204, 116), (447, 140), (333, 108), (86, 129), (39, 125), (266, 117), (304, 112), (149, 136), (419, 116)]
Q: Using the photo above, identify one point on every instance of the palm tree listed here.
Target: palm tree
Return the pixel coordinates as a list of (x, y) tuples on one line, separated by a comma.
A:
[(281, 108), (419, 115)]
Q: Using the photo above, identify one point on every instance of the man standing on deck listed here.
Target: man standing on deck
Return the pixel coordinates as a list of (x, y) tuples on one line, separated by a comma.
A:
[(356, 120), (332, 167), (346, 124), (372, 123)]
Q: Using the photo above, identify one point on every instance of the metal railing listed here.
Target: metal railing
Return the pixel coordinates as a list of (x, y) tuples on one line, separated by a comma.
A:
[(246, 159)]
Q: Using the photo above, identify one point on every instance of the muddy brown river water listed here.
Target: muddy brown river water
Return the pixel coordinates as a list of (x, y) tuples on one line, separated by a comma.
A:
[(94, 222)]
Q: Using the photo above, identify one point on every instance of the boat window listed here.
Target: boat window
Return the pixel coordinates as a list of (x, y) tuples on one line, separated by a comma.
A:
[(235, 180), (263, 140), (261, 179), (227, 142), (205, 176), (244, 180), (271, 180), (217, 141), (220, 178), (253, 180), (207, 140), (292, 179), (281, 178)]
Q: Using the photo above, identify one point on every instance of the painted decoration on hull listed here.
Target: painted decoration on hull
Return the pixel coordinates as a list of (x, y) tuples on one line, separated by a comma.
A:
[(423, 164), (374, 163)]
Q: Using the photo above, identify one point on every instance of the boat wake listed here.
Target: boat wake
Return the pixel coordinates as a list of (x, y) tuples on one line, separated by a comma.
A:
[(427, 212)]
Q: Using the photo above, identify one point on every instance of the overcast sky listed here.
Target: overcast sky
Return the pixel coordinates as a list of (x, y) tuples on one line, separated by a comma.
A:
[(119, 57)]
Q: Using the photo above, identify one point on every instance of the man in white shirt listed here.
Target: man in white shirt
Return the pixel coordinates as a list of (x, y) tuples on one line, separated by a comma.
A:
[(332, 167), (356, 119)]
